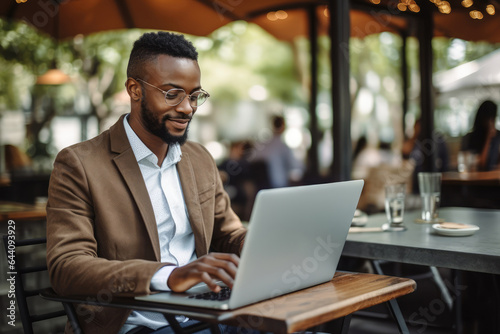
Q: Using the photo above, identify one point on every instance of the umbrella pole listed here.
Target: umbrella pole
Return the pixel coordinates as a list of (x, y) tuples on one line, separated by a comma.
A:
[(404, 77), (341, 105), (425, 33), (313, 162)]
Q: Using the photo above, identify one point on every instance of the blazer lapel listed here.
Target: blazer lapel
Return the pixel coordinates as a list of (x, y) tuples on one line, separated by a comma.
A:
[(127, 165), (188, 184)]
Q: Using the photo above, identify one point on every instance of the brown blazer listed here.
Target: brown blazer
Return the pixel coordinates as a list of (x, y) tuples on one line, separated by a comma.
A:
[(102, 239)]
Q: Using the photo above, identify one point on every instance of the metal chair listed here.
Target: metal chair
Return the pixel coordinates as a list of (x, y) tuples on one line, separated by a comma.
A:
[(19, 270)]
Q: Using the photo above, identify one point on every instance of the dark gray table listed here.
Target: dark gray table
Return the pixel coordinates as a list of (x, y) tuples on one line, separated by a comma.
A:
[(420, 245)]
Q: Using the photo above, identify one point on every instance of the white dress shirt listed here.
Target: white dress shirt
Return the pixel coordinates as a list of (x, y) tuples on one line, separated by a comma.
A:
[(174, 230)]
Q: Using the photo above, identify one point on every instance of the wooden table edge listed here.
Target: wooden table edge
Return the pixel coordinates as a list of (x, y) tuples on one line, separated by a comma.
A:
[(253, 316), (248, 316)]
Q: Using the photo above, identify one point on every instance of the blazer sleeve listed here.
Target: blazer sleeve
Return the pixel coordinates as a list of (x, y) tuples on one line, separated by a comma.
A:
[(74, 265)]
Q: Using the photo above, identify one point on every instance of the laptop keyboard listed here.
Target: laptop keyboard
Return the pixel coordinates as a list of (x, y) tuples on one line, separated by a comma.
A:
[(223, 294)]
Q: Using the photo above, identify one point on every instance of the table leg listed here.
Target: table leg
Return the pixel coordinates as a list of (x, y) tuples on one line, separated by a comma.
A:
[(457, 282), (73, 320), (396, 313), (190, 329), (340, 326), (393, 305)]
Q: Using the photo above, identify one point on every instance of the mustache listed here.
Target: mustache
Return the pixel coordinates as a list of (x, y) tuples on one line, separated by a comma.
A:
[(170, 117)]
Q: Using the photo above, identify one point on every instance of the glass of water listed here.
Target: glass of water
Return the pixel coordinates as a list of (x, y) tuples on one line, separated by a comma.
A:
[(430, 192), (395, 206)]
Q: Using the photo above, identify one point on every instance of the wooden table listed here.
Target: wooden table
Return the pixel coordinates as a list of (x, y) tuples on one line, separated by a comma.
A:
[(472, 189), (297, 311), (21, 211), (489, 178)]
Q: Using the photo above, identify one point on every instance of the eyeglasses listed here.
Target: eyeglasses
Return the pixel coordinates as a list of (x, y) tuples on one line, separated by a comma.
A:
[(175, 96)]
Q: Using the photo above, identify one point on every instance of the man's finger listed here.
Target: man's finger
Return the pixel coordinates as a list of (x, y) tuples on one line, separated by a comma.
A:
[(212, 274)]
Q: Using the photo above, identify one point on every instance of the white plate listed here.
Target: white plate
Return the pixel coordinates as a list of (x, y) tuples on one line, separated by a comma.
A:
[(459, 232)]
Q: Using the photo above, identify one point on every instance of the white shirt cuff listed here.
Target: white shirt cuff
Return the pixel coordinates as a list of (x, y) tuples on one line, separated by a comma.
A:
[(160, 278)]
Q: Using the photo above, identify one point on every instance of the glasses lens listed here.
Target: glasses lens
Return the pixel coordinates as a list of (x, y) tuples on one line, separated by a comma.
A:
[(174, 96), (198, 98)]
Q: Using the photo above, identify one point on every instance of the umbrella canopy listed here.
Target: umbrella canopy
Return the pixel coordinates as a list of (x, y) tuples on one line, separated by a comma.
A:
[(460, 24), (287, 25), (63, 19), (284, 19), (465, 19)]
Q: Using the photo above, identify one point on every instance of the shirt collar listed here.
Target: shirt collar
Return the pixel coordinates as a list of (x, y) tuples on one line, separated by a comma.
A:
[(141, 151)]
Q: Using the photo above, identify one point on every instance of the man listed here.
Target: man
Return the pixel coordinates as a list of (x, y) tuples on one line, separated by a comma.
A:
[(282, 165), (416, 149), (138, 208)]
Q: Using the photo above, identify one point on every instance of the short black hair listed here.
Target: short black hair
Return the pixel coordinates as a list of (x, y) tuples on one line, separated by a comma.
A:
[(278, 122), (150, 45)]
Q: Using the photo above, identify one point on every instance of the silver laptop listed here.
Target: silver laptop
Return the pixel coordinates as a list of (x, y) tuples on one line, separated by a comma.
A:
[(294, 241)]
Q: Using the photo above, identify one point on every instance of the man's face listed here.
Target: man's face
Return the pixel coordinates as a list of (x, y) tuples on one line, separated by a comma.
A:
[(158, 127), (169, 123)]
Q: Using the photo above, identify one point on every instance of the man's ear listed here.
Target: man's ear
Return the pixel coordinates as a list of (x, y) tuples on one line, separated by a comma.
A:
[(133, 89)]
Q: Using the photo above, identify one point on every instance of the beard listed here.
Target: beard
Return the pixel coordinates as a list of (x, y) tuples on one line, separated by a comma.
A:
[(159, 129)]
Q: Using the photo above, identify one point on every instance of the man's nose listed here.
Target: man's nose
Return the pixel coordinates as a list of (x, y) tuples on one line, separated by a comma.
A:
[(184, 106)]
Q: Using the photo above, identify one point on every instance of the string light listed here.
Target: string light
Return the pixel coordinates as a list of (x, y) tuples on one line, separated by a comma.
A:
[(271, 16), (414, 8), (278, 15), (467, 3), (443, 6), (476, 15), (281, 14)]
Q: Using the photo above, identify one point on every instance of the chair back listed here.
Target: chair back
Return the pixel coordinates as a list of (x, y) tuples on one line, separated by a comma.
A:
[(27, 274)]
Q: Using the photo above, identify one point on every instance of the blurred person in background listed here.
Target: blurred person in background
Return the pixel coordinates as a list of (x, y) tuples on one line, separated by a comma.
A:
[(236, 177), (484, 139), (367, 156), (282, 165), (415, 149)]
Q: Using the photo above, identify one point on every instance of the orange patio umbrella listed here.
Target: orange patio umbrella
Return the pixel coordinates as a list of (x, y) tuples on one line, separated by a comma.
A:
[(63, 19)]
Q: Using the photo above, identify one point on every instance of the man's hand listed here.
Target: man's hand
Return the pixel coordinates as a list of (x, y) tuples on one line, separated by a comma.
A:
[(208, 269)]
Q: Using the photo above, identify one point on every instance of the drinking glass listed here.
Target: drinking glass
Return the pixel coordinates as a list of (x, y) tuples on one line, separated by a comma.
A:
[(430, 192), (467, 162), (395, 205)]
